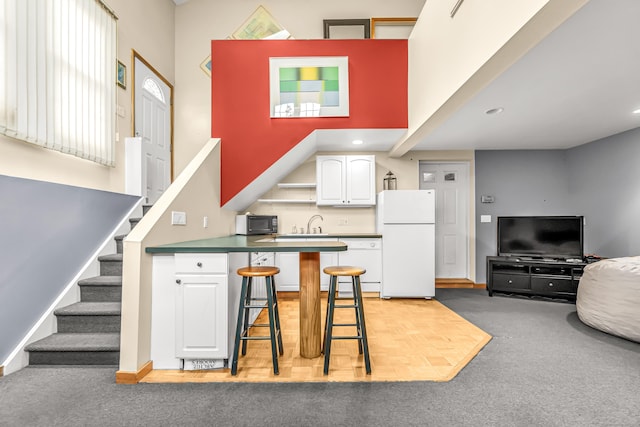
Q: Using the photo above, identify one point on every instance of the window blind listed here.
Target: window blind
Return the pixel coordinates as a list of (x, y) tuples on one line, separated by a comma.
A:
[(58, 74)]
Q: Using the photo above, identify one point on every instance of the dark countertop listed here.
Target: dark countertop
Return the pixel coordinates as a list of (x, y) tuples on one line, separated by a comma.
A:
[(332, 235), (239, 243)]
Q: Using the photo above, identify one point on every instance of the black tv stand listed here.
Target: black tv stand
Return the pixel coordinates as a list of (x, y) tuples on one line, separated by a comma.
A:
[(539, 277)]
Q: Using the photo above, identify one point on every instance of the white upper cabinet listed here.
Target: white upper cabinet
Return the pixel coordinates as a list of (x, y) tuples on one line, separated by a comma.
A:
[(346, 180)]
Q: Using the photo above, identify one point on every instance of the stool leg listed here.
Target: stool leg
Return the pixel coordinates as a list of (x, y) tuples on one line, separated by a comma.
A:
[(365, 343), (239, 327), (277, 313), (326, 316), (329, 325), (356, 307), (247, 311), (272, 329)]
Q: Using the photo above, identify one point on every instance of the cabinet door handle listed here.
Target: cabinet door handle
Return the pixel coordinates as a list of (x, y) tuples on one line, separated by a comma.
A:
[(199, 264), (550, 284), (178, 281), (510, 281)]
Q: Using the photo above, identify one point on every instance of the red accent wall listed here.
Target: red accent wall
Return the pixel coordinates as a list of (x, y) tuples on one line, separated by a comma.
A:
[(252, 141)]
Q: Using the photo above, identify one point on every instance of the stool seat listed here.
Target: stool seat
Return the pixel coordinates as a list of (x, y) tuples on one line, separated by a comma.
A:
[(344, 270), (263, 271)]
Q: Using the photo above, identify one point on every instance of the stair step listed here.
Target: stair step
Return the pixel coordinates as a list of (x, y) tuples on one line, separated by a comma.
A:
[(76, 349), (90, 309), (145, 209), (110, 265), (133, 222), (89, 317), (119, 238), (101, 289)]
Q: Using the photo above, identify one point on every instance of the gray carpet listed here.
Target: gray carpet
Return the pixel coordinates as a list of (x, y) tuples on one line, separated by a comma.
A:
[(542, 368)]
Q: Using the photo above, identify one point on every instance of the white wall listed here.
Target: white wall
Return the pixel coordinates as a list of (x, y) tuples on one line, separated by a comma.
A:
[(144, 25)]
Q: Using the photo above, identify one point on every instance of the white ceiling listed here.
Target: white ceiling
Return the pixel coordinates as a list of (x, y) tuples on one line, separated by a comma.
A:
[(579, 84)]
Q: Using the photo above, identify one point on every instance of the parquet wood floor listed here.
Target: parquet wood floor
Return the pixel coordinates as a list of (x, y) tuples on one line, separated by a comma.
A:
[(409, 340)]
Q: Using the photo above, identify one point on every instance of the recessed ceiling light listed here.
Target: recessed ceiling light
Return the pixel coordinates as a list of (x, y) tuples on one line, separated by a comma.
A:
[(636, 111), (494, 111), (357, 142)]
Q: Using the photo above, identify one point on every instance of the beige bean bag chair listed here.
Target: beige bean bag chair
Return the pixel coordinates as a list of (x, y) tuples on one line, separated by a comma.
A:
[(609, 297)]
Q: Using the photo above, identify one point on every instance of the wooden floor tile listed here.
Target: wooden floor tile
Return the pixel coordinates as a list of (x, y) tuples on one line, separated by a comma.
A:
[(409, 340)]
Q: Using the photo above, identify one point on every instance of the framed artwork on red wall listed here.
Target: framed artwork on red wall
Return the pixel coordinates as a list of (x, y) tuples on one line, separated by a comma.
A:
[(314, 86)]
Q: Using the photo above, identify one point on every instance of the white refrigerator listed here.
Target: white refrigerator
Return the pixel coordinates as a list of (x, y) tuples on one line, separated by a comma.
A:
[(406, 220)]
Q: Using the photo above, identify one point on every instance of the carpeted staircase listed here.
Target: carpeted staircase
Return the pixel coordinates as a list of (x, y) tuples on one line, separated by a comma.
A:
[(89, 330)]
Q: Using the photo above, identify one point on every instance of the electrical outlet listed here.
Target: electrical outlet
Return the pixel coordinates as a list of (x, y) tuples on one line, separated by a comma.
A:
[(205, 222), (178, 218)]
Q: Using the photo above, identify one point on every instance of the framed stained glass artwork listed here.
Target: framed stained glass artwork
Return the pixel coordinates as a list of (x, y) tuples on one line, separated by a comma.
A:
[(206, 65), (260, 25), (314, 86)]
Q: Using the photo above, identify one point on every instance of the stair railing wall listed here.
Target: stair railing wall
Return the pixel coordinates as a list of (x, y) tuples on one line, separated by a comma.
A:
[(196, 191)]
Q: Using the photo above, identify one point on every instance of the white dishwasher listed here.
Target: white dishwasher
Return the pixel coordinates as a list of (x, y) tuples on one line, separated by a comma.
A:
[(365, 253)]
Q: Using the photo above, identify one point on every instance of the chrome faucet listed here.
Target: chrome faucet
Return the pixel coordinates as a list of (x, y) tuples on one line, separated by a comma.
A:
[(310, 220)]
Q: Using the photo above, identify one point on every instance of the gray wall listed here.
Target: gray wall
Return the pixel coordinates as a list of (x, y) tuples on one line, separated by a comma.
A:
[(599, 180), (604, 182), (47, 233), (522, 182)]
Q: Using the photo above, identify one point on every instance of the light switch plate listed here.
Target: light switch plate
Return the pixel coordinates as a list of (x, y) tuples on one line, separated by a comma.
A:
[(178, 218), (485, 218)]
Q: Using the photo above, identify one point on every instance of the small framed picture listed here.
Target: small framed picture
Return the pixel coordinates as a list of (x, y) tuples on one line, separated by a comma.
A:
[(121, 75)]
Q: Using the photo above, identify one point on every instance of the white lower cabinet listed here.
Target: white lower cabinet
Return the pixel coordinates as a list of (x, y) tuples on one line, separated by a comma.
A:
[(327, 259), (201, 306), (288, 279)]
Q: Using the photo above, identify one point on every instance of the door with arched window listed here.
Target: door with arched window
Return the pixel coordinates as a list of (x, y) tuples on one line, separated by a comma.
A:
[(152, 123)]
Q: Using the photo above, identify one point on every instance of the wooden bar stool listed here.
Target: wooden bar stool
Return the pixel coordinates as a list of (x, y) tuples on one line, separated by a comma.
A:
[(361, 330), (247, 302)]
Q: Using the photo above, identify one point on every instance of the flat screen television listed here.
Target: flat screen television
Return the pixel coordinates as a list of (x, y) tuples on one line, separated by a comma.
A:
[(554, 237)]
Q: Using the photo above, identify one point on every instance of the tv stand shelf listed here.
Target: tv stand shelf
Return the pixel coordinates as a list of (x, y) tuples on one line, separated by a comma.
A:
[(540, 277)]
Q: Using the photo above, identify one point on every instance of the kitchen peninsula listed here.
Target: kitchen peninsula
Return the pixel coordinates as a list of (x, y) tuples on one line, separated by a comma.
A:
[(195, 294)]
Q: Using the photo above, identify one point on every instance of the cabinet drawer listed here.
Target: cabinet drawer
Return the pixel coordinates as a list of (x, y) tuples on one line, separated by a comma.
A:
[(509, 282), (552, 285), (201, 263)]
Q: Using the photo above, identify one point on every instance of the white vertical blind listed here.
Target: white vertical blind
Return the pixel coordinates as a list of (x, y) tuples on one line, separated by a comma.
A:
[(58, 74)]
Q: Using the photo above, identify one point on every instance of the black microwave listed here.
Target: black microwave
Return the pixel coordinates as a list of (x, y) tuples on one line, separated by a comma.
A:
[(256, 224)]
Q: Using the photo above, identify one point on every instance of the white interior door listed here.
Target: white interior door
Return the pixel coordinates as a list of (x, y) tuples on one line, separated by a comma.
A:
[(152, 101), (451, 184)]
